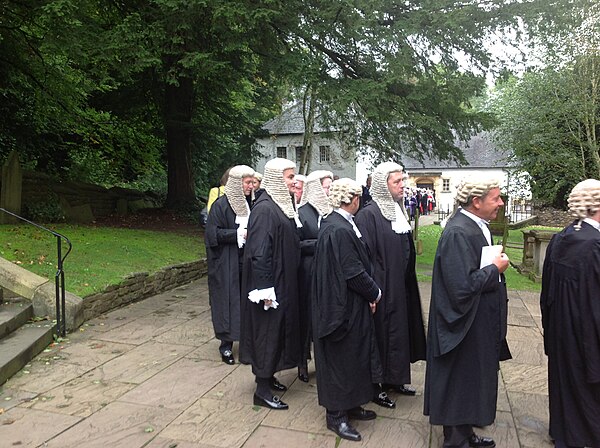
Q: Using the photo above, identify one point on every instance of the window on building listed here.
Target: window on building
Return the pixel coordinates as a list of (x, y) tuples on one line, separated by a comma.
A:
[(282, 152), (298, 154), (445, 184), (324, 154)]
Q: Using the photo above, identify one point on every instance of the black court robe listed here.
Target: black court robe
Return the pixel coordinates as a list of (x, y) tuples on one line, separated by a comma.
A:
[(309, 217), (570, 303), (398, 319), (270, 339), (346, 355), (224, 263), (466, 331)]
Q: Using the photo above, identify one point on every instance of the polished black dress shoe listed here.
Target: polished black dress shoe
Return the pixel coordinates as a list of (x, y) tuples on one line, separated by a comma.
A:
[(227, 357), (383, 400), (303, 377), (476, 441), (345, 431), (276, 385), (273, 403), (405, 389), (361, 413)]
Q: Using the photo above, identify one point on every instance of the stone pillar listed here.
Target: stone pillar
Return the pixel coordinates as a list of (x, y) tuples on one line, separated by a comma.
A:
[(12, 183), (542, 239)]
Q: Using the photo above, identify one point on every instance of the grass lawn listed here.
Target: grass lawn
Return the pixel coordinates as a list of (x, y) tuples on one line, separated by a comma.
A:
[(429, 236), (100, 256)]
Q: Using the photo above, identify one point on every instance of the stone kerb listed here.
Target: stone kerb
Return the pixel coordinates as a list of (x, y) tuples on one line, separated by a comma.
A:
[(41, 292), (141, 285)]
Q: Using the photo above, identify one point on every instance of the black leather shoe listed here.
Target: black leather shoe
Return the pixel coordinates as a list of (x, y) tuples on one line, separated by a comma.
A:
[(227, 357), (303, 377), (345, 431), (383, 400), (361, 413), (273, 403), (478, 441), (276, 385), (405, 389)]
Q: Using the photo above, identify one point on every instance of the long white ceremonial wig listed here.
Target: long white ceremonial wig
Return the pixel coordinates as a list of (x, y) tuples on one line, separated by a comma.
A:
[(584, 200), (314, 193), (342, 191), (381, 193), (234, 190), (275, 186)]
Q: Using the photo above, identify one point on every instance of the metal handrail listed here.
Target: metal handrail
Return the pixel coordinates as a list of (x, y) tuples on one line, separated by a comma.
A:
[(59, 277)]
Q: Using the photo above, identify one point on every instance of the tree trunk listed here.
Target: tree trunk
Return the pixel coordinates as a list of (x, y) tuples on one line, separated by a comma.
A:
[(178, 124)]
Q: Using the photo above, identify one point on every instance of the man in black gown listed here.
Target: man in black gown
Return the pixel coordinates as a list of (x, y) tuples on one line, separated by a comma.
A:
[(467, 319), (270, 339), (315, 205), (345, 296), (225, 237), (570, 303), (398, 320)]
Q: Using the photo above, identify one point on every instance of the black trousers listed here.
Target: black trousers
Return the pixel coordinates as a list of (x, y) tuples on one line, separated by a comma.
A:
[(457, 436)]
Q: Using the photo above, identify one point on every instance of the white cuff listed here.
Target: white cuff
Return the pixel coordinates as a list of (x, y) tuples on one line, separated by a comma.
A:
[(241, 237)]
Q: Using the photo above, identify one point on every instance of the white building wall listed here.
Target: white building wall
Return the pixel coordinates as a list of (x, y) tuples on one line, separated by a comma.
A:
[(342, 161), (445, 198)]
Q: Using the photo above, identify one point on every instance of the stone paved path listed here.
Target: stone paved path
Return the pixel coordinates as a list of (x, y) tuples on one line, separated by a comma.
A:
[(149, 375)]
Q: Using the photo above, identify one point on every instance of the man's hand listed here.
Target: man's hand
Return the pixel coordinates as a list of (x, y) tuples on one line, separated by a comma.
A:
[(501, 261), (373, 306)]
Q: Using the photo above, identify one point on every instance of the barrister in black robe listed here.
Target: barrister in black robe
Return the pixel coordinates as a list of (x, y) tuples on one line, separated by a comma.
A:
[(223, 237), (269, 329), (398, 320), (314, 206), (570, 304), (346, 355), (467, 320)]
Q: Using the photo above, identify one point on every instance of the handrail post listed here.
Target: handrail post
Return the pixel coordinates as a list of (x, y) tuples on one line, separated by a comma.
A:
[(59, 278)]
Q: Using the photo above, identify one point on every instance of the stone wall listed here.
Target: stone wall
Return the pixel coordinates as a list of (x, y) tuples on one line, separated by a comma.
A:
[(141, 285), (79, 199), (552, 217)]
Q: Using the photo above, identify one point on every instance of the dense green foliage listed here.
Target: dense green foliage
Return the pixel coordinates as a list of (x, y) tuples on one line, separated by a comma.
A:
[(549, 119), (168, 93), (101, 256)]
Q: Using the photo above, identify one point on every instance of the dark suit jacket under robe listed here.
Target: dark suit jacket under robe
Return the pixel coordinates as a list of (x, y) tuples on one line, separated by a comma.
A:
[(466, 331), (309, 217), (570, 303), (346, 355), (398, 319), (224, 263), (270, 339)]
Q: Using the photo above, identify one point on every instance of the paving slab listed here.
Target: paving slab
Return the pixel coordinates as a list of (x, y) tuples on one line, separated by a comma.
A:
[(141, 330), (216, 422), (116, 425), (31, 428), (192, 332), (142, 363), (179, 385), (81, 396), (265, 436), (150, 374)]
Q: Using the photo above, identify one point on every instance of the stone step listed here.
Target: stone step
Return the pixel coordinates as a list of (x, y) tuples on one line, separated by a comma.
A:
[(13, 314), (22, 345)]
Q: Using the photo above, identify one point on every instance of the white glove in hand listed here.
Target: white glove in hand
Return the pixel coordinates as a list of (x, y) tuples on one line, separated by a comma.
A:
[(267, 294)]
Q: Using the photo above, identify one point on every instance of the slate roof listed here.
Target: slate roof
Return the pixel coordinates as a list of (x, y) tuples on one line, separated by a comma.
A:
[(479, 151), (291, 121)]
